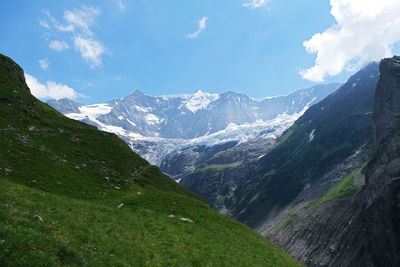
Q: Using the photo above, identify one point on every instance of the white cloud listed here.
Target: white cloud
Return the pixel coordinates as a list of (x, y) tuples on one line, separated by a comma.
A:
[(202, 26), (91, 50), (65, 28), (50, 89), (257, 3), (82, 18), (44, 23), (121, 5), (58, 45), (366, 30), (77, 24), (44, 63)]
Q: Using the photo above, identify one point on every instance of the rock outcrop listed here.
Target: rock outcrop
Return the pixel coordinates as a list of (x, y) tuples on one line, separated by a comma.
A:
[(387, 107), (361, 229), (382, 199)]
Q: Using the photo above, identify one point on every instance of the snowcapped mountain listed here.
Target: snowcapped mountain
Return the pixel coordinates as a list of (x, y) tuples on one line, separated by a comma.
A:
[(155, 126)]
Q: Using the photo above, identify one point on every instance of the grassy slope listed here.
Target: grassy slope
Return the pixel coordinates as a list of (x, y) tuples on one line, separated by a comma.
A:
[(344, 188), (342, 124), (61, 182)]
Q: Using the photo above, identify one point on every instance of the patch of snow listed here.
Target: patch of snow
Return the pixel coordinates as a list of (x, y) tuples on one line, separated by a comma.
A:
[(354, 84), (266, 98), (91, 112), (120, 118), (199, 100), (311, 136), (152, 119), (132, 123), (142, 109), (112, 129), (134, 136), (293, 102), (167, 97)]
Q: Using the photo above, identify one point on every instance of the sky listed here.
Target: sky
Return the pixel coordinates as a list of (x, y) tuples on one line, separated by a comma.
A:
[(95, 51)]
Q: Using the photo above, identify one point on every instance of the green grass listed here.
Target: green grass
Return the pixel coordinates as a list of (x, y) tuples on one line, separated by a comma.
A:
[(343, 188), (290, 219), (216, 167), (86, 233), (61, 184), (285, 137)]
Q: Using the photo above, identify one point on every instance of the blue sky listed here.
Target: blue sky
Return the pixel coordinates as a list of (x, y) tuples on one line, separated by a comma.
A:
[(93, 51)]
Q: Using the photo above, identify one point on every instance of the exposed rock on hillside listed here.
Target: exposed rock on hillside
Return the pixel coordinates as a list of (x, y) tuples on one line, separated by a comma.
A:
[(356, 229)]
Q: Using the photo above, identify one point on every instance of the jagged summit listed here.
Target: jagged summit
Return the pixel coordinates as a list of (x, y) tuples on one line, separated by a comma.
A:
[(157, 126)]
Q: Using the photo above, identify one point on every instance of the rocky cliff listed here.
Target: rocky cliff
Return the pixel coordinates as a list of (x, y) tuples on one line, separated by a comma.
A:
[(355, 224), (382, 192)]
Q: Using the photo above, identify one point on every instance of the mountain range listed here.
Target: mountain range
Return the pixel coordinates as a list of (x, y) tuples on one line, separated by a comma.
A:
[(156, 127)]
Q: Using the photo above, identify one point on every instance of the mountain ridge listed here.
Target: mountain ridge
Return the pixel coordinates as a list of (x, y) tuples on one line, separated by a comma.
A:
[(157, 126)]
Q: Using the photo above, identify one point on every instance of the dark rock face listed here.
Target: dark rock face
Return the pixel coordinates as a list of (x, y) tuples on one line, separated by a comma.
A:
[(364, 229), (382, 212), (332, 236), (186, 161), (217, 186), (387, 107)]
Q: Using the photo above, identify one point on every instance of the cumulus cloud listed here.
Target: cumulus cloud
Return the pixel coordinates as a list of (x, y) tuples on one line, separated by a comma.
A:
[(65, 28), (202, 26), (91, 50), (256, 3), (121, 5), (77, 24), (44, 23), (50, 89), (58, 45), (44, 63), (365, 30), (82, 18)]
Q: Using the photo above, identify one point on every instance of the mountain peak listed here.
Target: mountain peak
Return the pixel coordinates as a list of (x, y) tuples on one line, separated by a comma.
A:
[(14, 73), (137, 93), (200, 100)]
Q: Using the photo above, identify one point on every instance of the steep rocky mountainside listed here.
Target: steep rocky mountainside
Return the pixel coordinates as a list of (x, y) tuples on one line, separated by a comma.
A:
[(328, 142), (72, 195), (356, 224), (189, 159), (156, 127)]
